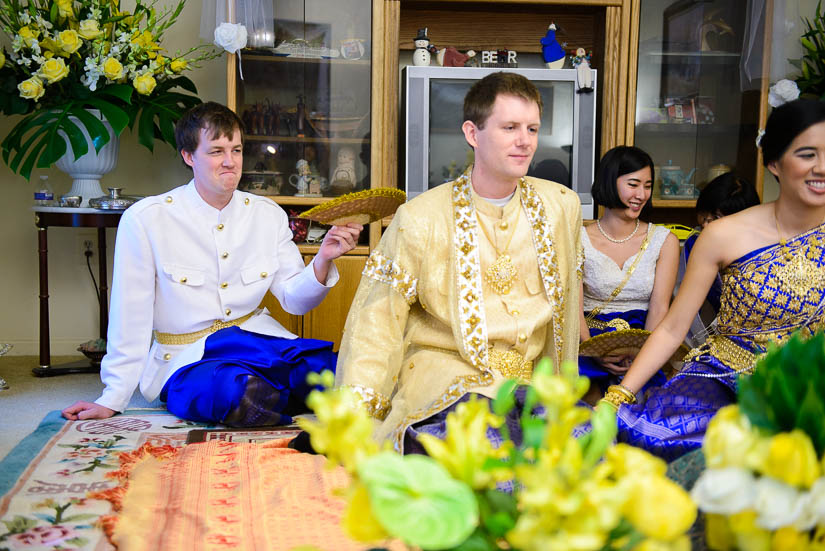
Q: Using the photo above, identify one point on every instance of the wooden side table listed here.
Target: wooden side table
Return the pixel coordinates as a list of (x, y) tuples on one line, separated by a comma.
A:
[(44, 217)]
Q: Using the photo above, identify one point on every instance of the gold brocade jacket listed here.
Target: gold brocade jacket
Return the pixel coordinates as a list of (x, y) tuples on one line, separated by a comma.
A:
[(425, 328)]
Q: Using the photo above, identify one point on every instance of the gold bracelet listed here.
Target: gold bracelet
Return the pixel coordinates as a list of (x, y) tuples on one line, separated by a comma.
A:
[(620, 388), (609, 400), (618, 395)]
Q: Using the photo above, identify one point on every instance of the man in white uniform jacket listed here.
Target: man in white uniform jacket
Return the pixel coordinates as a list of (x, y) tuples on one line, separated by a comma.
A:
[(191, 267)]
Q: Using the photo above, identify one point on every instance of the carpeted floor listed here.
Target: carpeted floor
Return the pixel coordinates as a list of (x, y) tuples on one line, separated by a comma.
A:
[(29, 398)]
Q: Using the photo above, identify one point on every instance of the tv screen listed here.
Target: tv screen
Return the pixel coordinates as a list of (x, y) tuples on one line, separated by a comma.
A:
[(434, 148)]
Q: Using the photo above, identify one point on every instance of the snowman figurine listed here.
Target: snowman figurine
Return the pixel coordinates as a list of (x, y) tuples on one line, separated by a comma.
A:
[(581, 61), (421, 55)]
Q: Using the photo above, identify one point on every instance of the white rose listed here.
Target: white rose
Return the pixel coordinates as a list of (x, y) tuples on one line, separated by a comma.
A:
[(777, 504), (724, 491), (230, 36), (782, 92), (813, 512)]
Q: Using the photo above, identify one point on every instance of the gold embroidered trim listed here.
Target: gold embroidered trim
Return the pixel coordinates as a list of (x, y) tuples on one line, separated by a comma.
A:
[(546, 256), (386, 270), (511, 364), (189, 338), (471, 315), (456, 389), (580, 263), (377, 405), (726, 351)]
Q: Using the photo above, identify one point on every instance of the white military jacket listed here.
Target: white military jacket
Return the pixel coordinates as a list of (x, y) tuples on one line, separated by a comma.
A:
[(180, 264)]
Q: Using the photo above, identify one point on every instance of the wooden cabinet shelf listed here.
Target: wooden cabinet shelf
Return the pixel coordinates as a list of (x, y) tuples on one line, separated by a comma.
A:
[(298, 139), (294, 59), (674, 203)]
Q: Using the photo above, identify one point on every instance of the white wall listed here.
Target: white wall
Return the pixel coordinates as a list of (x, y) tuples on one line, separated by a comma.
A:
[(73, 306)]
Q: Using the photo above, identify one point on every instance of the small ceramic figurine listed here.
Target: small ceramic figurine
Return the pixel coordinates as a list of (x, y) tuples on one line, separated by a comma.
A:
[(581, 61), (421, 55), (343, 178), (551, 50), (450, 57), (301, 179)]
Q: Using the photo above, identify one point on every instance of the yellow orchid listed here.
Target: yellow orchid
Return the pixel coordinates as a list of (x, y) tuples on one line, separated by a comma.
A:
[(178, 65), (788, 538), (659, 523), (358, 520), (466, 448)]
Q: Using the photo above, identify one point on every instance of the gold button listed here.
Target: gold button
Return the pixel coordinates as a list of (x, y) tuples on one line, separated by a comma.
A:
[(220, 227), (168, 199), (503, 225), (167, 356), (563, 191), (522, 337), (183, 279), (228, 311), (515, 312), (224, 285), (246, 201), (264, 274), (224, 255)]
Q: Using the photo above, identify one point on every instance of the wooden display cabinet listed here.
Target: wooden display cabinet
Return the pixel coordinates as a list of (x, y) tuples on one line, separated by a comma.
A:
[(317, 95), (693, 103)]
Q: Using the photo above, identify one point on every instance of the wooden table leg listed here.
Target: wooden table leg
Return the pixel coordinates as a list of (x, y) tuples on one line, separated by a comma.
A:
[(103, 287), (42, 253)]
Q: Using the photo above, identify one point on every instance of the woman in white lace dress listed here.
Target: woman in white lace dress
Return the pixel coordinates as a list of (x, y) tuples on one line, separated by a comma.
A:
[(629, 266)]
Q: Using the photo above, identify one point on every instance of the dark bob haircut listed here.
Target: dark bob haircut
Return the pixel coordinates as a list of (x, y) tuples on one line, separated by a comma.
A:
[(619, 161), (786, 123), (727, 194)]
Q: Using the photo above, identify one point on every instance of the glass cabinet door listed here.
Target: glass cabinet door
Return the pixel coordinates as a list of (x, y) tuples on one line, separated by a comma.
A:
[(697, 103), (305, 102)]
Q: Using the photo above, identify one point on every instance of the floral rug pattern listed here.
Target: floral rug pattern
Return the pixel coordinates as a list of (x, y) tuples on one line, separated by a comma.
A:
[(47, 508)]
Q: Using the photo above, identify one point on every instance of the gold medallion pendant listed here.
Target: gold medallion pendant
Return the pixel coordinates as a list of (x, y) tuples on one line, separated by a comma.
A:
[(502, 274)]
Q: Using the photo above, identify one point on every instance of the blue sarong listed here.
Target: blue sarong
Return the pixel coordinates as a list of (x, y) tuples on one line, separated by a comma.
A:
[(213, 387), (599, 376)]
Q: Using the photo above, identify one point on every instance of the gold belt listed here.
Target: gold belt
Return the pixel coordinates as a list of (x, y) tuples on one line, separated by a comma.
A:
[(616, 323), (510, 363), (726, 351), (189, 338)]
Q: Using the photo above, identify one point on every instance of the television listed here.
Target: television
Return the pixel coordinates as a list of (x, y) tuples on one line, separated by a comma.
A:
[(433, 147)]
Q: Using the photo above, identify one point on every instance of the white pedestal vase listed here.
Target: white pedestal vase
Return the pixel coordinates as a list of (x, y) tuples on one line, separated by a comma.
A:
[(87, 171)]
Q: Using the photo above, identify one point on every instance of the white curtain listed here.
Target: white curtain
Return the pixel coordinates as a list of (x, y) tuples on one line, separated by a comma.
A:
[(256, 15)]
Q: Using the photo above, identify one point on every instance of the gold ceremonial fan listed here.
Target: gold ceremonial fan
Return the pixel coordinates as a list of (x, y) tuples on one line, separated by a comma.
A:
[(361, 207), (624, 341)]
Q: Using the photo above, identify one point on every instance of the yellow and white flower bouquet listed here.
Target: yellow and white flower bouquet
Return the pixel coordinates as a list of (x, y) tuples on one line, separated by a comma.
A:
[(567, 493), (764, 486), (68, 56)]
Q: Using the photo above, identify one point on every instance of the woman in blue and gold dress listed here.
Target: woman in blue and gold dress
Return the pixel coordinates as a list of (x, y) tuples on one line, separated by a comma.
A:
[(772, 261)]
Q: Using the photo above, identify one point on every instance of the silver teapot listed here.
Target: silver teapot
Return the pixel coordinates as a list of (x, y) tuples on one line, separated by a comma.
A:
[(113, 201)]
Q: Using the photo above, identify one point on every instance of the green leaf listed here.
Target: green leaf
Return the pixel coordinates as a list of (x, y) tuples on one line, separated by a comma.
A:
[(476, 542), (505, 400), (97, 131), (146, 128), (533, 431), (19, 524), (121, 91), (415, 499), (115, 116), (810, 418)]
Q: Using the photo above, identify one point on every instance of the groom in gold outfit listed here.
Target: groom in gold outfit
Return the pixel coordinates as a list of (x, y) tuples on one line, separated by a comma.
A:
[(473, 281)]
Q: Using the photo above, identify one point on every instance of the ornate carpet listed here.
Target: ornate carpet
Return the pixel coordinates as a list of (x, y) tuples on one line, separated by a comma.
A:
[(44, 479)]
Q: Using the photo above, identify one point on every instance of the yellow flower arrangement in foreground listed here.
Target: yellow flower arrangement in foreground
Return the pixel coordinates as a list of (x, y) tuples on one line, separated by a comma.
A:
[(68, 56), (764, 488), (568, 493)]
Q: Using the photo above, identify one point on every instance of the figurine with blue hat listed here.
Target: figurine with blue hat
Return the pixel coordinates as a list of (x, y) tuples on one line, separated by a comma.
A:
[(551, 50)]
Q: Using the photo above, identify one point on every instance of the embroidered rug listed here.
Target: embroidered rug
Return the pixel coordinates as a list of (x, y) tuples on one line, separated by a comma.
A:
[(44, 480)]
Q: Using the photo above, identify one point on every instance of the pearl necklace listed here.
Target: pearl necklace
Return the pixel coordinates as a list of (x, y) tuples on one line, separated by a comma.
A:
[(599, 224)]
